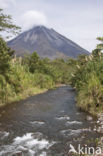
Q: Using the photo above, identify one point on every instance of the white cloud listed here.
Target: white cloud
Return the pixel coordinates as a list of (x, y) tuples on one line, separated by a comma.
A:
[(31, 18), (6, 3)]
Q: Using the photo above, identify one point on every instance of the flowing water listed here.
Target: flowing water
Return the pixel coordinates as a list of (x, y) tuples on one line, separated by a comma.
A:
[(44, 125)]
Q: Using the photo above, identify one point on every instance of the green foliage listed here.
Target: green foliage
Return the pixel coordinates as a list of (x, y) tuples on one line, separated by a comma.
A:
[(7, 79), (90, 96), (99, 47), (20, 76), (87, 78), (43, 81), (6, 24), (5, 57), (56, 69), (33, 62)]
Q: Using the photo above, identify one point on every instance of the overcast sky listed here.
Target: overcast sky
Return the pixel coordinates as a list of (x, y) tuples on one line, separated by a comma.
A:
[(79, 20)]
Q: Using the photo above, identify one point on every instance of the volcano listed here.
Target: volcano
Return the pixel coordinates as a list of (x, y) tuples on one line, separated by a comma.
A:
[(46, 42)]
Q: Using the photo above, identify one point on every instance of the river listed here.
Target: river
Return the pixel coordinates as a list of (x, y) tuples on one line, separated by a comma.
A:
[(45, 125)]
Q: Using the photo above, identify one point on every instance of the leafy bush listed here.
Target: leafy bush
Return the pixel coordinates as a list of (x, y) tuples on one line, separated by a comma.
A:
[(43, 81)]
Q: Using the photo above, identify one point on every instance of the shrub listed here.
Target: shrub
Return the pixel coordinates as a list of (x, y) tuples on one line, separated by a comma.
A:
[(43, 81), (90, 96)]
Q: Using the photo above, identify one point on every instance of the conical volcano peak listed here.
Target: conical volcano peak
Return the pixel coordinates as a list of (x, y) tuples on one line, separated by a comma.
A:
[(39, 28), (46, 42)]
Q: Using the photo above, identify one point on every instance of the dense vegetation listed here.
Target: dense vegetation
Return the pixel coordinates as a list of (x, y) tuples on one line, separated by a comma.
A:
[(87, 78), (21, 77)]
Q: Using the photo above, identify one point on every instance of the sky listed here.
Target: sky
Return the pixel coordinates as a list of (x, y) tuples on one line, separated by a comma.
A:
[(79, 20)]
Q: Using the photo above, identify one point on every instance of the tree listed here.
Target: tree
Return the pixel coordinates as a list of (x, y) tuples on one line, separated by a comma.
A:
[(34, 62), (5, 52), (5, 56), (7, 25)]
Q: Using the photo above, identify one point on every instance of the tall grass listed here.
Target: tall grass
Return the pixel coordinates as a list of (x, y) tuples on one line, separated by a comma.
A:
[(88, 81)]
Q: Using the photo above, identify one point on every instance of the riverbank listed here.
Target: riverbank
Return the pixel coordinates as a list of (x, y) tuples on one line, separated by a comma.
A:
[(29, 92), (23, 95)]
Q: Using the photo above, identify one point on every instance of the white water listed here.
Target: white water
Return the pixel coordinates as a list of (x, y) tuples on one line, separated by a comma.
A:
[(63, 118), (29, 143), (73, 122)]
